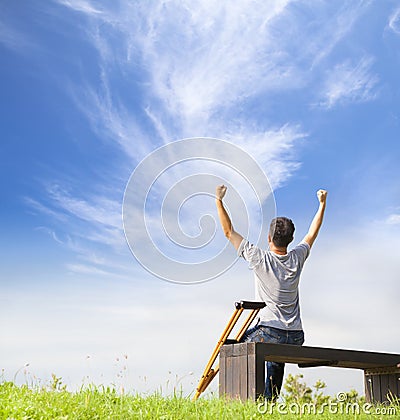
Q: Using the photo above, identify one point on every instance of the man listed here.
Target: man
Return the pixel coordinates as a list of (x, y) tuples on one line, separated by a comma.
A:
[(277, 275)]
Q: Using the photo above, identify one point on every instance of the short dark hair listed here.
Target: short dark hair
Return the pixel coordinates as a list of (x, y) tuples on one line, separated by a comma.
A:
[(281, 231)]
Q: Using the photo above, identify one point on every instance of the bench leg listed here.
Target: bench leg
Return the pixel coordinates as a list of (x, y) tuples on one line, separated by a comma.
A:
[(242, 372), (381, 384), (256, 372)]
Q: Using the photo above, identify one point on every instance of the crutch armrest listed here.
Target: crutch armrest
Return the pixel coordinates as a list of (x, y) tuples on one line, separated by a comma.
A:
[(231, 341), (247, 304)]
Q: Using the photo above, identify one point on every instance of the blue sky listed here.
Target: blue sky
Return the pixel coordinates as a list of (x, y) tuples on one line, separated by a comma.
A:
[(89, 89)]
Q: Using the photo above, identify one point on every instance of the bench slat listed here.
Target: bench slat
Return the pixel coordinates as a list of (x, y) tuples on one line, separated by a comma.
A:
[(352, 359)]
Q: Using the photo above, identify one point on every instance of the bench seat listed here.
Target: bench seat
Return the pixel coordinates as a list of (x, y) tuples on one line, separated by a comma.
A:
[(242, 367)]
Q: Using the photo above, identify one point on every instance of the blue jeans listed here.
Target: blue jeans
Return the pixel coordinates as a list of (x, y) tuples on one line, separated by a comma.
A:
[(274, 370)]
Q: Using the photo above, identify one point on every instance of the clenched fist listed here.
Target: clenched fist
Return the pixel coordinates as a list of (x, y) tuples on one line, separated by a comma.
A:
[(220, 192), (321, 194)]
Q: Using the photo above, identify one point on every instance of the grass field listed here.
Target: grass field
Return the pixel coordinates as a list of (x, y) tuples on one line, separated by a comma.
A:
[(99, 402)]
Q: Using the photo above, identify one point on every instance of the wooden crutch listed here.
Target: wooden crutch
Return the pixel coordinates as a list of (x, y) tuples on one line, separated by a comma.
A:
[(210, 372)]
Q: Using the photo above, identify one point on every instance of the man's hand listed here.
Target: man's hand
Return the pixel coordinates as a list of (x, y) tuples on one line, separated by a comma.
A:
[(318, 218), (220, 191), (234, 237), (322, 194)]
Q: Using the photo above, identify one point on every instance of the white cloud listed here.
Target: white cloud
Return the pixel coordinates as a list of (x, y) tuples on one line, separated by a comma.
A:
[(98, 210), (393, 219), (16, 40), (112, 121), (214, 56), (273, 149), (89, 270), (202, 60), (81, 6), (94, 232), (348, 83), (47, 210), (355, 278), (394, 21), (334, 28)]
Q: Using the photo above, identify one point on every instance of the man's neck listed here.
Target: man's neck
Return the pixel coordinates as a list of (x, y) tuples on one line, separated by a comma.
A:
[(277, 249)]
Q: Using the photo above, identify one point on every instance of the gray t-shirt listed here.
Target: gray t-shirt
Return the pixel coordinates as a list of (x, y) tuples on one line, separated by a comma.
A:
[(277, 279)]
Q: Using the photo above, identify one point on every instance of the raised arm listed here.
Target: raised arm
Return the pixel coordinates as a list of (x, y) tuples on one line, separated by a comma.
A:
[(224, 218), (318, 218)]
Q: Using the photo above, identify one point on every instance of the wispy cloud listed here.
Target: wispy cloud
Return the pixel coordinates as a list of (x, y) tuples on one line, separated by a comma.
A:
[(94, 233), (81, 6), (201, 61), (348, 83), (213, 57), (394, 21), (96, 210), (393, 219), (14, 39), (190, 68), (273, 148), (337, 24)]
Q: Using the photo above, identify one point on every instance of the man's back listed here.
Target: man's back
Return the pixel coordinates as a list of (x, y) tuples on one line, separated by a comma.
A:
[(276, 283)]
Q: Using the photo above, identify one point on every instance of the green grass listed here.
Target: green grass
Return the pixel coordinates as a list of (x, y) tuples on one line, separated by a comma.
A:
[(98, 402)]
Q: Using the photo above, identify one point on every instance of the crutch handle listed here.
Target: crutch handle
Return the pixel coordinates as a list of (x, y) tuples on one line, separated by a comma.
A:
[(247, 304)]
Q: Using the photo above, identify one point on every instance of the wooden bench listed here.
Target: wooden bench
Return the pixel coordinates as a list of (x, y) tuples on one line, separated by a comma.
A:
[(242, 367)]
